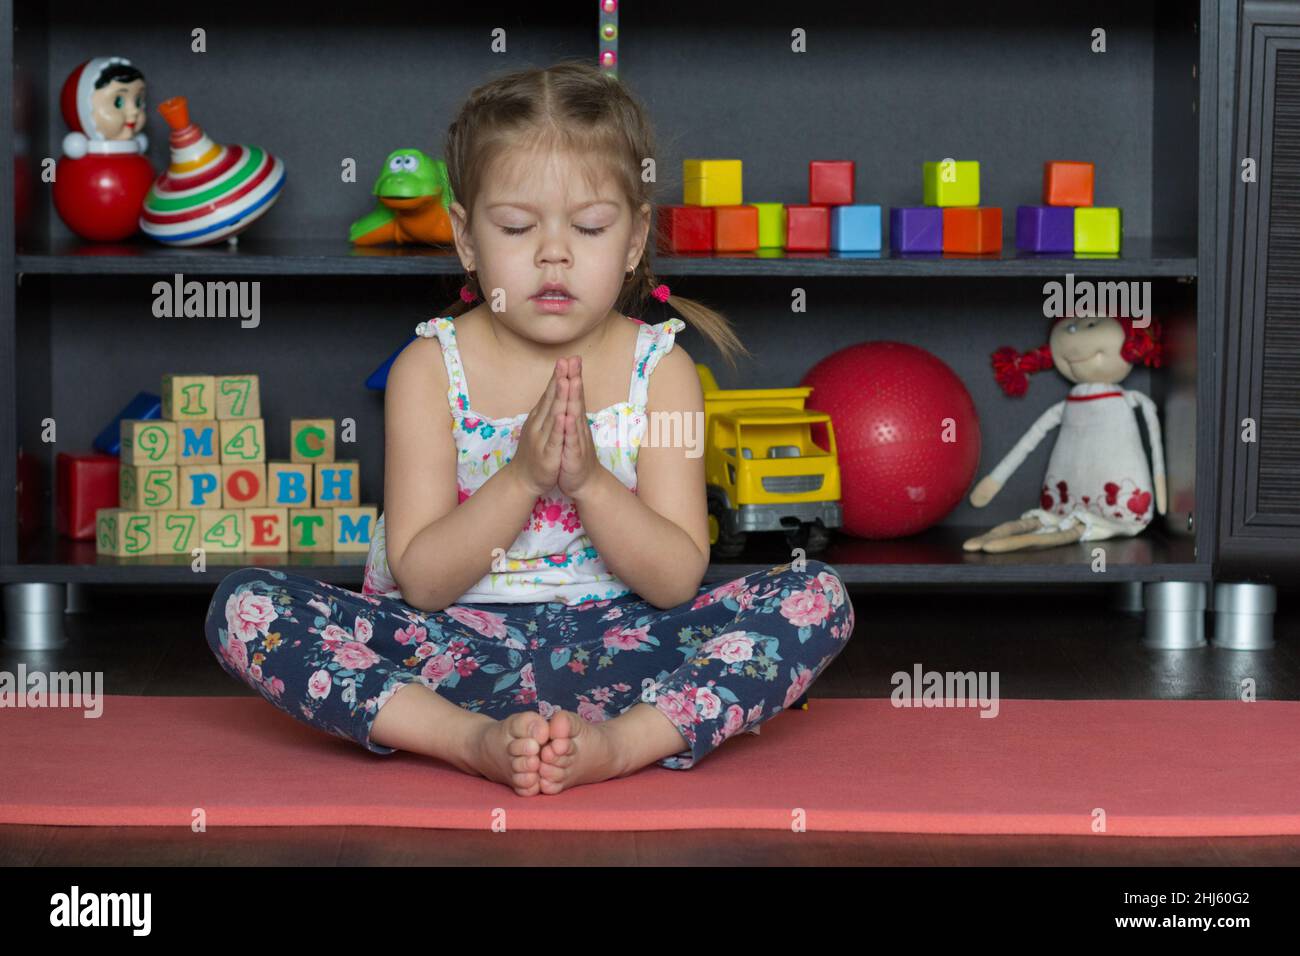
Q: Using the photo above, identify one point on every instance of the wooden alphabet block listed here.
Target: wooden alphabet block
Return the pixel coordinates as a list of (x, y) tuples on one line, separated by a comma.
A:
[(221, 529), (176, 532), (267, 529), (188, 397), (311, 439), (311, 529), (197, 442), (148, 487), (353, 528), (338, 484), (712, 182), (289, 484), (243, 486), (147, 441), (200, 486), (238, 396), (124, 533), (242, 439)]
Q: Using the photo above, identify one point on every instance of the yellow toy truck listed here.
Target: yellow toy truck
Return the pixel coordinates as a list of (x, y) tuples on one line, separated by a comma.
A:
[(780, 480)]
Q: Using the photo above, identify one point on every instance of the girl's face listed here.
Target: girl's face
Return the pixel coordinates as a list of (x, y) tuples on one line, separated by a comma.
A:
[(1086, 349), (537, 221)]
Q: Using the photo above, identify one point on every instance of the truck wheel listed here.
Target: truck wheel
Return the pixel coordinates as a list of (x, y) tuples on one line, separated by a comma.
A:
[(725, 544), (811, 536)]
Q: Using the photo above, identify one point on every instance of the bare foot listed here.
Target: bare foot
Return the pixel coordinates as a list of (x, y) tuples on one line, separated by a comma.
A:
[(580, 751), (507, 751)]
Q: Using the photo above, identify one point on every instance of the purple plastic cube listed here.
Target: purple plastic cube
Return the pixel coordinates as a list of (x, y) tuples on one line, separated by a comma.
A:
[(1045, 228), (919, 229)]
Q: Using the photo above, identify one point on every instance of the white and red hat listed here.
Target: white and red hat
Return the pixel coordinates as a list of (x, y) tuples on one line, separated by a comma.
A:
[(75, 101)]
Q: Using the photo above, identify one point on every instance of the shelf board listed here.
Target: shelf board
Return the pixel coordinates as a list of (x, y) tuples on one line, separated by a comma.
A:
[(254, 256), (932, 557)]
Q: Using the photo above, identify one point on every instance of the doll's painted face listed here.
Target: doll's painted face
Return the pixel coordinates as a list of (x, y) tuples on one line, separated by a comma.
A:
[(537, 219), (118, 108), (1086, 349)]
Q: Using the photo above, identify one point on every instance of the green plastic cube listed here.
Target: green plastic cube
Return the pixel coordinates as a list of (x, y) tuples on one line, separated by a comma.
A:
[(955, 183), (1097, 229), (771, 224)]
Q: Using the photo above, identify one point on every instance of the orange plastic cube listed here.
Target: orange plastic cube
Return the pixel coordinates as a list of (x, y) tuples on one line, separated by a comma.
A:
[(735, 228), (975, 229), (1067, 184)]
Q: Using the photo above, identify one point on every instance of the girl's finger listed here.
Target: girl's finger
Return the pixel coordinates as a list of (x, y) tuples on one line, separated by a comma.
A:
[(547, 400)]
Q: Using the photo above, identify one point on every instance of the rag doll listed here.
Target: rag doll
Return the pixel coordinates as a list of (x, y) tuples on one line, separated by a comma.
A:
[(1097, 484)]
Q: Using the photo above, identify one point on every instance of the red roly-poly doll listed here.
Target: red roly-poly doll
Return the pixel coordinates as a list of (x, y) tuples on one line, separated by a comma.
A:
[(102, 179), (1098, 484)]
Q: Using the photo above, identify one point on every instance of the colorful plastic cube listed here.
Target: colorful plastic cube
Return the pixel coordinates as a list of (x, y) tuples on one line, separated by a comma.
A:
[(685, 229), (972, 229), (855, 228), (1045, 228), (771, 224), (808, 228), (735, 228), (1067, 183), (951, 183), (916, 229), (711, 182), (1097, 229), (830, 182)]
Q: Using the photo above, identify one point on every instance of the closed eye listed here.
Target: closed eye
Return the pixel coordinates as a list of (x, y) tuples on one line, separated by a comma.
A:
[(520, 230)]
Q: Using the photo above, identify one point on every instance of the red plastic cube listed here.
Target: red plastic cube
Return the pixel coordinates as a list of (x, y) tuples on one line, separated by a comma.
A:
[(685, 229), (830, 182), (976, 229), (1067, 183), (735, 228), (86, 483), (807, 228)]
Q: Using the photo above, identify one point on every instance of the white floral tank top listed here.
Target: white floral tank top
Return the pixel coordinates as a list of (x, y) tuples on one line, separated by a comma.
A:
[(552, 559)]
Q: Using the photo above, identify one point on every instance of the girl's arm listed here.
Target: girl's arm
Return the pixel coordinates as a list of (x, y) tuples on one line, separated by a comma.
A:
[(1020, 451), (657, 540), (437, 550), (1149, 412)]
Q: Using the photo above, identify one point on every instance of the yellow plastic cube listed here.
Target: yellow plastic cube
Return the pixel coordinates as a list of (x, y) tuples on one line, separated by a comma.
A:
[(771, 224), (951, 183), (1097, 229), (711, 182)]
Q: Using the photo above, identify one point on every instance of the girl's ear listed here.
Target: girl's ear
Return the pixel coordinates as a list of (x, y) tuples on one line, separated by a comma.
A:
[(640, 232), (460, 233)]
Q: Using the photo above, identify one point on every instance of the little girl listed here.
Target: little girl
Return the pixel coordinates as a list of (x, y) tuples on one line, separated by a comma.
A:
[(532, 610)]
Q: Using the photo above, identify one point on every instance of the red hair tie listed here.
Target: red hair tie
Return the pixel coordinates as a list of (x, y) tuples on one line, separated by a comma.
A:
[(661, 292)]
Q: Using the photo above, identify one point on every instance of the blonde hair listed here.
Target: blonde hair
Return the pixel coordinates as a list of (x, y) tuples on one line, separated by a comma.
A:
[(576, 108)]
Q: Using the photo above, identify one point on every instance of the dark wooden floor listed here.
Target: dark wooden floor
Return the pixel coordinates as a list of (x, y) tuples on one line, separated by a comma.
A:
[(1046, 644)]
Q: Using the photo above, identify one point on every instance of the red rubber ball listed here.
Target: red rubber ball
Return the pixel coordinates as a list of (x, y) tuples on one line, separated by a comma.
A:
[(907, 433)]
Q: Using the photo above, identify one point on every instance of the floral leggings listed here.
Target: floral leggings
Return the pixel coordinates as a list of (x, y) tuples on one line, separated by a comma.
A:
[(733, 656)]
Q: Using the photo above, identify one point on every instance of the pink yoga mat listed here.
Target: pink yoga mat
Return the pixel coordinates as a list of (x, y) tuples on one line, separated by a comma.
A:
[(1156, 768)]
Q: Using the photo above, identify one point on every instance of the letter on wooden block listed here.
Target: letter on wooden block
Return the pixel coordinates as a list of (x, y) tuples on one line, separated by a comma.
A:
[(311, 439), (353, 528), (243, 486), (338, 484), (243, 440), (311, 529), (221, 529), (238, 396), (289, 484), (148, 487), (147, 441), (197, 442), (267, 528), (200, 487), (188, 397)]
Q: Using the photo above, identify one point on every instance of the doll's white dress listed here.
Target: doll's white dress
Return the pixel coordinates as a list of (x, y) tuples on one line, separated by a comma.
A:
[(1097, 475)]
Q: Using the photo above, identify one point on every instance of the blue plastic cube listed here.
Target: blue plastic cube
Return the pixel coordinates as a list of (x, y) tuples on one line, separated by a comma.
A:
[(855, 228)]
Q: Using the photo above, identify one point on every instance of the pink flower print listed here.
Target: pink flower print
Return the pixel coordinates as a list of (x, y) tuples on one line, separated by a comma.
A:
[(424, 650), (318, 685), (466, 666), (735, 719), (677, 706), (798, 686), (547, 512), (833, 586), (461, 492), (720, 593), (1112, 492), (626, 638), (1139, 502), (275, 686), (321, 607), (571, 521), (334, 637), (527, 677), (485, 622), (755, 713), (413, 632), (436, 669), (546, 708), (255, 672), (730, 647), (805, 607), (707, 703), (355, 656), (363, 630), (248, 614), (593, 713), (236, 654)]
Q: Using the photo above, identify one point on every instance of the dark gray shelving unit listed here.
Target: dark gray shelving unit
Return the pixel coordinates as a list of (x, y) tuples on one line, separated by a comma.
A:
[(1012, 85)]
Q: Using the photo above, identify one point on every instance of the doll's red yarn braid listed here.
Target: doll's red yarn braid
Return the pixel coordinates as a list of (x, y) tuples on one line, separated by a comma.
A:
[(1012, 368)]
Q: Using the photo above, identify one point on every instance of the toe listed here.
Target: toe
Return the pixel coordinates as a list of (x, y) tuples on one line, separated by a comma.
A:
[(523, 746), (528, 764)]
